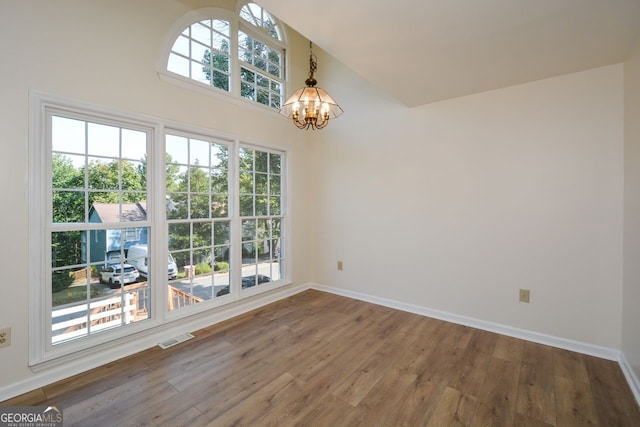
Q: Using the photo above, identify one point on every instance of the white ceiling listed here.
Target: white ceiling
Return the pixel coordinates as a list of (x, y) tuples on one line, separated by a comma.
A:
[(421, 51)]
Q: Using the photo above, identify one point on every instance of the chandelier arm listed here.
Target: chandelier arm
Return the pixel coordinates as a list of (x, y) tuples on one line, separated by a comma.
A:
[(322, 124)]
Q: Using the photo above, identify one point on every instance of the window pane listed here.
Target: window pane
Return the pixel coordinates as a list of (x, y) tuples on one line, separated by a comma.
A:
[(221, 232), (181, 45), (219, 181), (134, 177), (68, 171), (68, 206), (274, 163), (219, 206), (103, 140), (220, 43), (259, 17), (248, 229), (274, 69), (274, 184), (261, 206), (177, 206), (68, 248), (246, 183), (246, 159), (199, 206), (247, 75), (275, 206), (201, 33), (179, 236), (68, 135), (200, 53), (275, 227), (261, 161), (134, 144), (202, 234), (247, 91), (199, 152), (246, 205), (263, 82), (245, 44), (246, 14), (220, 80), (261, 63), (199, 180), (262, 97), (178, 65), (199, 72), (177, 151), (221, 26), (221, 281), (261, 183)]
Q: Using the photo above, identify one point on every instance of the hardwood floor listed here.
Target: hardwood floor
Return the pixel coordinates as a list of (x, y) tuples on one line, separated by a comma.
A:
[(323, 360)]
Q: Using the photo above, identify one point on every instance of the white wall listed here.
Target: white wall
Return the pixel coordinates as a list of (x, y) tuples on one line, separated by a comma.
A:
[(105, 53), (631, 294), (456, 205)]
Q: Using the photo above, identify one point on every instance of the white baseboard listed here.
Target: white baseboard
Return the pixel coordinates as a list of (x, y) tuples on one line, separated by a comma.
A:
[(632, 379), (580, 347), (50, 372)]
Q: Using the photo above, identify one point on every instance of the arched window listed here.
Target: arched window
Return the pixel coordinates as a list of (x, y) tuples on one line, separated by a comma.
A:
[(242, 54), (202, 53)]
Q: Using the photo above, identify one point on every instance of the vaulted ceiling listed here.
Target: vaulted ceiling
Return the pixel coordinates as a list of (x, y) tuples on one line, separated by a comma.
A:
[(421, 51)]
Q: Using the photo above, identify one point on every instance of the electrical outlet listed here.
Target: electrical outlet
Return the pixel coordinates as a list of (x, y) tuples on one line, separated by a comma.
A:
[(339, 265), (5, 337), (524, 295)]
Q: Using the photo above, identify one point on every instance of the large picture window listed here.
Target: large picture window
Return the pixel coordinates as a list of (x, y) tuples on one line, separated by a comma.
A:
[(133, 225)]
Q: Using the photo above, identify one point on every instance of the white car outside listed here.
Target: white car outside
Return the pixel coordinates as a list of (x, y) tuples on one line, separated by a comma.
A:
[(115, 276)]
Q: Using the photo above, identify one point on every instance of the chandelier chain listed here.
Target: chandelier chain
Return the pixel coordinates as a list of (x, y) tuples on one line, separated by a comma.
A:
[(313, 62)]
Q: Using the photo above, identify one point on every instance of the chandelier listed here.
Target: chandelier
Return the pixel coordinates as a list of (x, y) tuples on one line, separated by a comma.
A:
[(311, 107)]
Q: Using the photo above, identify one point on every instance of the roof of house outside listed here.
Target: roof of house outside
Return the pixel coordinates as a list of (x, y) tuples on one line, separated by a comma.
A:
[(110, 212)]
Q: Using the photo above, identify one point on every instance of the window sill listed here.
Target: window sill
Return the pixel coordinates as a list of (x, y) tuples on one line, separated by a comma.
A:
[(221, 95)]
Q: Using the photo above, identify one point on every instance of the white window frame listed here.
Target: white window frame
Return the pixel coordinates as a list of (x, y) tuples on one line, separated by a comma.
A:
[(236, 23), (41, 352)]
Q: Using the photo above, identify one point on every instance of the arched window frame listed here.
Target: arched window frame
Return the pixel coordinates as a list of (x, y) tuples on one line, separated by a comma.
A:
[(237, 24)]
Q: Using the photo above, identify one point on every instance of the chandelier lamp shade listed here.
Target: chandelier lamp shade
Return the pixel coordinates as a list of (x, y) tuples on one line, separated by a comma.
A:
[(311, 107)]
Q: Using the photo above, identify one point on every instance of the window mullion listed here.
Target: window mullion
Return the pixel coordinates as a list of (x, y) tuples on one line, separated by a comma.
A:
[(234, 68), (236, 221), (158, 244)]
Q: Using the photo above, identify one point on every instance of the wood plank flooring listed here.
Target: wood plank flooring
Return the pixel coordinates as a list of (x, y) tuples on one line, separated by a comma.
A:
[(318, 359)]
